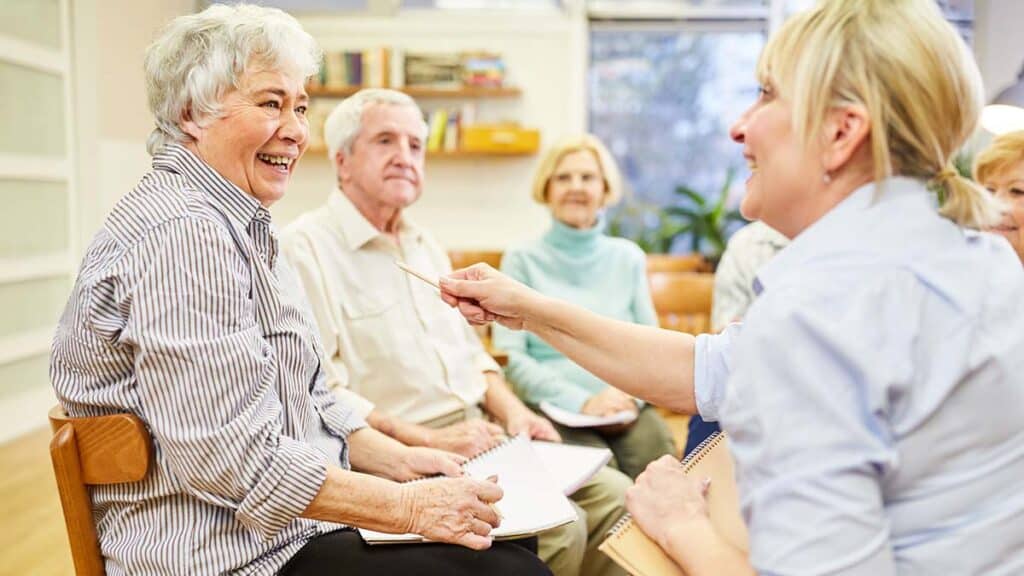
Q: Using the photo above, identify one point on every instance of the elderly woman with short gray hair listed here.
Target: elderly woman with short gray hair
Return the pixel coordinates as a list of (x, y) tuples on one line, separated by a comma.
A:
[(184, 315)]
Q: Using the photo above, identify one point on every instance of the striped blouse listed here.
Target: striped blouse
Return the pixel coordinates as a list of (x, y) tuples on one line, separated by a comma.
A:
[(184, 315)]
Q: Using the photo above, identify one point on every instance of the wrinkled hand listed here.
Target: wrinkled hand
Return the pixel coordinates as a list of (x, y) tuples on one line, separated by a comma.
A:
[(538, 427), (664, 499), (452, 510), (416, 462), (467, 438), (482, 295), (609, 401)]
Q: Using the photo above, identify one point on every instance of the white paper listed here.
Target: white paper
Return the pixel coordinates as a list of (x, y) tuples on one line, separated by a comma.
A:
[(571, 466), (533, 500), (577, 420)]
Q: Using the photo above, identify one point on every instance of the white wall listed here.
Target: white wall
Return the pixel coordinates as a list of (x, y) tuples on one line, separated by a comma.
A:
[(478, 203)]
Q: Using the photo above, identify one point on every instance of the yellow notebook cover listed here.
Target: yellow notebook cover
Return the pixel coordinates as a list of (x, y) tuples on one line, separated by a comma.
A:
[(630, 548)]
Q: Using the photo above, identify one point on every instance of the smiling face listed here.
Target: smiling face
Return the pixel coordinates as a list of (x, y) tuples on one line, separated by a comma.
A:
[(260, 135), (384, 171), (576, 189), (785, 176), (1008, 186)]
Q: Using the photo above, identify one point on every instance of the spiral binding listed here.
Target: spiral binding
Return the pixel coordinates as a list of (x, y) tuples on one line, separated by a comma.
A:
[(476, 458), (688, 462)]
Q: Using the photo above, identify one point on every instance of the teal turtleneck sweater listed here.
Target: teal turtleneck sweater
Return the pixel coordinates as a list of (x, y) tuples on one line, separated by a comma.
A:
[(603, 274)]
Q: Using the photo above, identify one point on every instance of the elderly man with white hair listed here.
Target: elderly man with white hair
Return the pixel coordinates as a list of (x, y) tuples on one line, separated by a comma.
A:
[(393, 350), (184, 315)]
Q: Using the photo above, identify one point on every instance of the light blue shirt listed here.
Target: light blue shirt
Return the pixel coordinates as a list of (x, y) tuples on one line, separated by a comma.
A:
[(874, 397), (605, 275)]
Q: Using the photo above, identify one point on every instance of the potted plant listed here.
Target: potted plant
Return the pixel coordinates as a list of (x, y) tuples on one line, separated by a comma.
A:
[(706, 222)]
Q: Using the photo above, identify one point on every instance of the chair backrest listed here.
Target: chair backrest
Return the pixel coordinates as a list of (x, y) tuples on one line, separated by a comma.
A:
[(682, 300), (87, 451), (677, 263), (465, 258)]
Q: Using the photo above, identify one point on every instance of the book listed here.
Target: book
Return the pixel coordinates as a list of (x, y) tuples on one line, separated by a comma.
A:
[(577, 420), (533, 501), (571, 466), (630, 548)]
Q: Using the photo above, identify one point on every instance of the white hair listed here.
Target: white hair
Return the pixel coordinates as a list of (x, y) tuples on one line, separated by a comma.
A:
[(346, 120), (199, 57)]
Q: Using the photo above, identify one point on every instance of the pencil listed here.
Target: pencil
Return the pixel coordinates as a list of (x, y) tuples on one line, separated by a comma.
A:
[(408, 270)]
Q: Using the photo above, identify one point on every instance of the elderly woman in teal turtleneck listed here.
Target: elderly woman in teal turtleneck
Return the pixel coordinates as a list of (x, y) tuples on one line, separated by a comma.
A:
[(576, 261)]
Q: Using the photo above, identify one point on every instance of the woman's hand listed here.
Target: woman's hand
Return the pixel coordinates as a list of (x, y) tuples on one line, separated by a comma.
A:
[(664, 500), (482, 295), (609, 401), (416, 462), (467, 438), (452, 510), (537, 427)]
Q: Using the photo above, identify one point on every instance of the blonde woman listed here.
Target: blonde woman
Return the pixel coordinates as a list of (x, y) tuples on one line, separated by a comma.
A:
[(1000, 168), (873, 395), (576, 180)]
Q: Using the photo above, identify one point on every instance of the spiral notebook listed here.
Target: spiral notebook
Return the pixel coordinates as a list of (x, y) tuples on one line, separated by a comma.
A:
[(533, 500), (630, 548)]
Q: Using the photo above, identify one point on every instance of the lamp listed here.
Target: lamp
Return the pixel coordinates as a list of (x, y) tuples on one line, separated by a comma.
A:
[(1006, 112)]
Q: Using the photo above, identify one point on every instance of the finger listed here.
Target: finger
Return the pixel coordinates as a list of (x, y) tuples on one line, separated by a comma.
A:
[(474, 541), (493, 429), (487, 513), (460, 285), (488, 492), (450, 465), (480, 527), (449, 299)]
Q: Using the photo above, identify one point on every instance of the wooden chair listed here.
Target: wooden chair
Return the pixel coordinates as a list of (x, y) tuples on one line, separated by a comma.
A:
[(88, 451), (677, 263), (465, 258), (683, 300)]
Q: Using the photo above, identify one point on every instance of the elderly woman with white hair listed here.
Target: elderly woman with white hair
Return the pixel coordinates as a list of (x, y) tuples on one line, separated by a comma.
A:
[(872, 397), (577, 180), (184, 315)]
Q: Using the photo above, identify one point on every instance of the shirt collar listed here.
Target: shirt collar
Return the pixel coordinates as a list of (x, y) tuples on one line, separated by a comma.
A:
[(235, 203), (356, 230), (843, 227)]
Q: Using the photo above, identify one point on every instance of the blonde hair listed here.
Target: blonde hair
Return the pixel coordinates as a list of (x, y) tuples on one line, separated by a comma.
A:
[(909, 68), (1004, 154), (577, 143)]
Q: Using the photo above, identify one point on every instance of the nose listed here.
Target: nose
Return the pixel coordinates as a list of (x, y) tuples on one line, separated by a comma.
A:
[(738, 130), (293, 127)]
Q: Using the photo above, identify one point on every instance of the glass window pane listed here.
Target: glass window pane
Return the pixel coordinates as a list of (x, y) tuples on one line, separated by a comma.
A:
[(32, 114), (34, 220), (35, 21), (663, 101), (24, 374), (31, 305)]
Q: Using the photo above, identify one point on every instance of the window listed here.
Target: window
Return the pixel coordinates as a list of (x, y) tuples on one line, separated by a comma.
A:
[(666, 80)]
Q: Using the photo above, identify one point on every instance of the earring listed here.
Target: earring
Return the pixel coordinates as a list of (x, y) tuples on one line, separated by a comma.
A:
[(827, 178)]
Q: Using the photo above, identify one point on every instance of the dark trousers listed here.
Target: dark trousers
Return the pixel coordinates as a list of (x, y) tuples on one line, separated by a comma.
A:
[(344, 552), (698, 431)]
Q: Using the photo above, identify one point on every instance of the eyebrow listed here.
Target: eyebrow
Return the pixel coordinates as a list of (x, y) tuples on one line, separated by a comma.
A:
[(302, 96)]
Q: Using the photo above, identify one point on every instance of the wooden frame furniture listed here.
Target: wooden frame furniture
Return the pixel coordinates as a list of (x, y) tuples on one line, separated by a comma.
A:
[(89, 451)]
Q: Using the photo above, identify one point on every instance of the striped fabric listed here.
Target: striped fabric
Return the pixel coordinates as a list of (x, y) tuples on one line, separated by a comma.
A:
[(183, 315)]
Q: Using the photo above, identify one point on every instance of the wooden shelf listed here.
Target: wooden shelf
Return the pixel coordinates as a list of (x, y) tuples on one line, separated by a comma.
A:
[(319, 151), (422, 92)]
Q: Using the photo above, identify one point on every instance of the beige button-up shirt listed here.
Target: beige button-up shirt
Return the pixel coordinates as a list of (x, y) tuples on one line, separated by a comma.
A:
[(389, 340)]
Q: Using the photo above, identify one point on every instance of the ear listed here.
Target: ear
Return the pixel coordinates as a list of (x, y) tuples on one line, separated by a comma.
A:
[(846, 130), (189, 126), (341, 165)]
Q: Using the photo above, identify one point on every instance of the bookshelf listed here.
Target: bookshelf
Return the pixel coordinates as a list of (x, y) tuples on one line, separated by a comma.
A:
[(319, 150), (421, 92)]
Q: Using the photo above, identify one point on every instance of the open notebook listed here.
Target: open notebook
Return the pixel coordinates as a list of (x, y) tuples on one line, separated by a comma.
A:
[(640, 556), (571, 466), (578, 420), (533, 500)]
